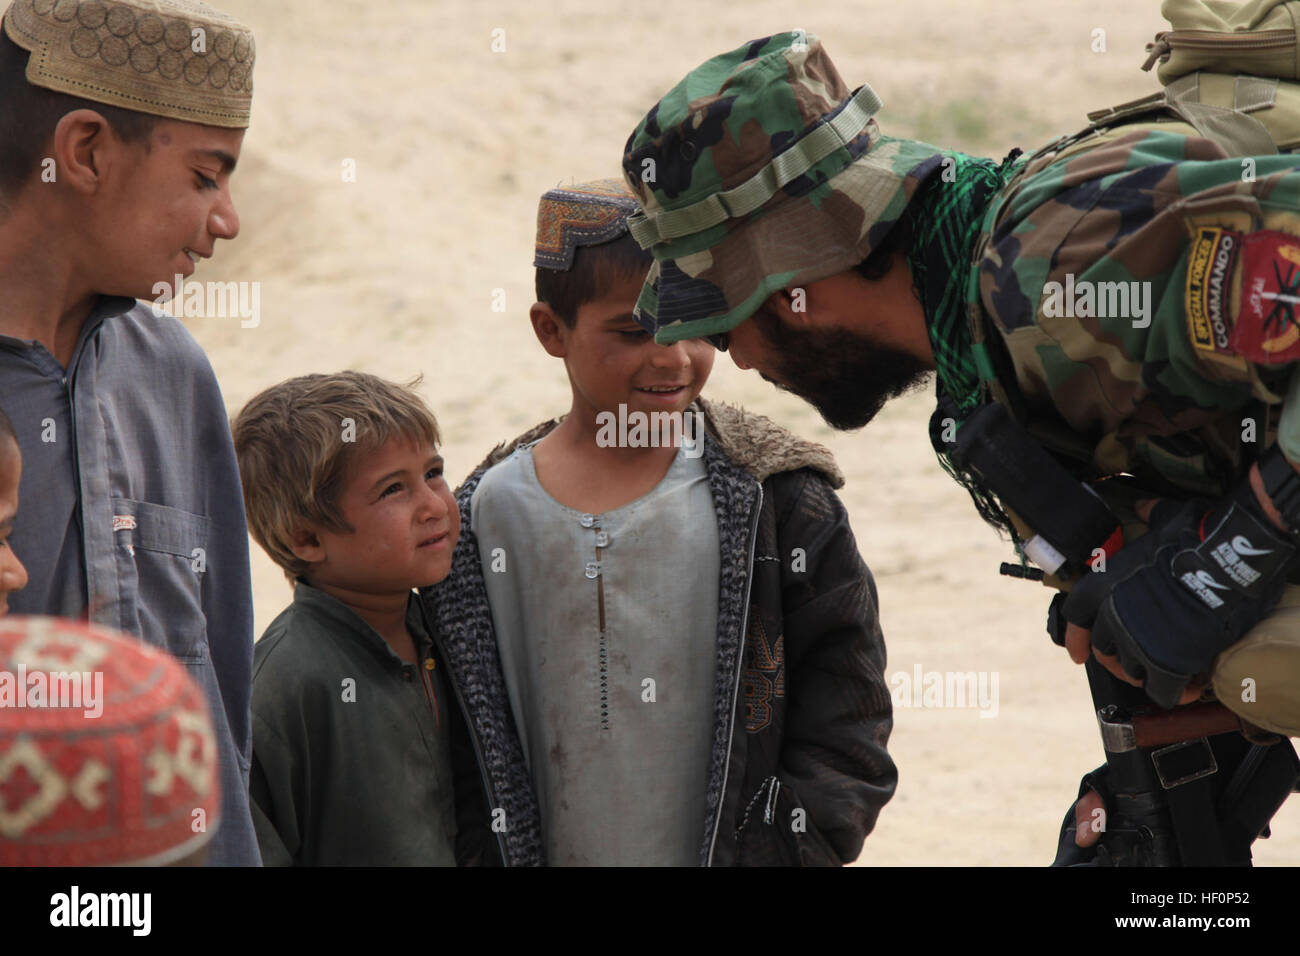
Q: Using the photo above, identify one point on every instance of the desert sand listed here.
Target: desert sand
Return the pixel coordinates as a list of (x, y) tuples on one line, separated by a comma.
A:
[(397, 272)]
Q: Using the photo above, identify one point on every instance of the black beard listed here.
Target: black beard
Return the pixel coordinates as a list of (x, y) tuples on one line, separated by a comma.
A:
[(847, 377)]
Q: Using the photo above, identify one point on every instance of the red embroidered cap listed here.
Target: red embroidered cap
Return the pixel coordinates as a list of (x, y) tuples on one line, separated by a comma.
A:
[(107, 752)]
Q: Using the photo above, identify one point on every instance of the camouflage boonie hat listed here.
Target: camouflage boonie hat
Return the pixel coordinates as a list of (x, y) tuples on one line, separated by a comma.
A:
[(759, 171)]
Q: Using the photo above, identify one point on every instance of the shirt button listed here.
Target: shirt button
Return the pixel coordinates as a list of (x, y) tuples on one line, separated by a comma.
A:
[(429, 664), (587, 520), (593, 569), (602, 539), (64, 380)]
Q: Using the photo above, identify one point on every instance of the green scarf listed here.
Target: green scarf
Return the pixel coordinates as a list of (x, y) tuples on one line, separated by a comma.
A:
[(947, 214), (946, 217)]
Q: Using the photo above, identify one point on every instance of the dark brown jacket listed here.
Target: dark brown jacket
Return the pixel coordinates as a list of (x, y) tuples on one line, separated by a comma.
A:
[(799, 768)]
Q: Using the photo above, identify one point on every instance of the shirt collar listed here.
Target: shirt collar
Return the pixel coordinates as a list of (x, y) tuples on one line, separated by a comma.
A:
[(107, 306), (335, 610)]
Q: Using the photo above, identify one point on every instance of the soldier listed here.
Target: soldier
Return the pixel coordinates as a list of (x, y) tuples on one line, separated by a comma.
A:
[(1129, 295)]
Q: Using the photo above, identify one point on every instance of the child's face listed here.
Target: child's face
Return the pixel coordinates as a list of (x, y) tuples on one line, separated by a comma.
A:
[(406, 522), (156, 205), (13, 576), (612, 360)]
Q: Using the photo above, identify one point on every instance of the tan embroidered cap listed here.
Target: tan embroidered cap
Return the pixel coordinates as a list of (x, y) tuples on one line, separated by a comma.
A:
[(174, 58)]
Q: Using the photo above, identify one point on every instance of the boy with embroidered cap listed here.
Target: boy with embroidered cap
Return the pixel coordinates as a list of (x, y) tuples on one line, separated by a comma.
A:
[(120, 126), (366, 725), (689, 635)]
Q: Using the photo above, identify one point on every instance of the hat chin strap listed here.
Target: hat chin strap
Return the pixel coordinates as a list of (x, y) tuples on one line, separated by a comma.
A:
[(803, 155)]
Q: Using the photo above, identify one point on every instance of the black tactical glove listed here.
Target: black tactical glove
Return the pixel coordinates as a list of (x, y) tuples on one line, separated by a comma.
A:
[(1169, 603)]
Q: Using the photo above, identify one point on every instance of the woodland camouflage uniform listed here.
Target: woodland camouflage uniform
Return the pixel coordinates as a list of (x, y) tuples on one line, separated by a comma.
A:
[(1129, 292)]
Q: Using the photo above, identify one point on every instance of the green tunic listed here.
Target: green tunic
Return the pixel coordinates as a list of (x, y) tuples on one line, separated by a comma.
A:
[(351, 755)]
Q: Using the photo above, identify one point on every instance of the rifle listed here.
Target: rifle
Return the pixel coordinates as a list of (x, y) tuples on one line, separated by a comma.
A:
[(1183, 786)]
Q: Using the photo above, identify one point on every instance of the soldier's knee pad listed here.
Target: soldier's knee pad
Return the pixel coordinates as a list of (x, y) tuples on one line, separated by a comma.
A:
[(1258, 678)]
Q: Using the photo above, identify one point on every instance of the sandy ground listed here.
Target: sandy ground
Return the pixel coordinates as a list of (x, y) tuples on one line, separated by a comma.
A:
[(396, 274)]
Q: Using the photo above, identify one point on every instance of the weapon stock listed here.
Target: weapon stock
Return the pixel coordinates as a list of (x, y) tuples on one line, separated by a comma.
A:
[(1138, 830)]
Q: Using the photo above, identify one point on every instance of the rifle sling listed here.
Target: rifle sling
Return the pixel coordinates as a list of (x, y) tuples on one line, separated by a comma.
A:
[(1186, 771)]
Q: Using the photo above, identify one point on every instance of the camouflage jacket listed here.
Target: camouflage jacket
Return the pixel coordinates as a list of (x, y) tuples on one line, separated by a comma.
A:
[(1137, 291), (802, 714)]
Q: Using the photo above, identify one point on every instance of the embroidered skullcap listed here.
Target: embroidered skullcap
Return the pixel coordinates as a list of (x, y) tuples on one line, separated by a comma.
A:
[(583, 215), (107, 751), (179, 59)]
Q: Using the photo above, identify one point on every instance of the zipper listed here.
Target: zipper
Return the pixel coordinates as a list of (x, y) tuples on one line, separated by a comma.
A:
[(767, 792), (427, 666), (473, 735), (735, 689), (769, 808), (1210, 41)]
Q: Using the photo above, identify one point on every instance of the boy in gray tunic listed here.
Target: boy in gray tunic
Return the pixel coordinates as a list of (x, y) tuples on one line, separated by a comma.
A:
[(116, 155), (626, 561)]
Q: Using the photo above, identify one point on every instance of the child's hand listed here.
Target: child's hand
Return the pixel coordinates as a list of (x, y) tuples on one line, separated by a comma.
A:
[(1086, 817)]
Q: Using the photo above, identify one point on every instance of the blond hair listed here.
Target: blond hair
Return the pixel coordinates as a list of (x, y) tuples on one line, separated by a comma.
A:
[(296, 440)]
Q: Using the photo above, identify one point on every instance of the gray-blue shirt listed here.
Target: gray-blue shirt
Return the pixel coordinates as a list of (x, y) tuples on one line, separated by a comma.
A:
[(131, 513), (607, 628)]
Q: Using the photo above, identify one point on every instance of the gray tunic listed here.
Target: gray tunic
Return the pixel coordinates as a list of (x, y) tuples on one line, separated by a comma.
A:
[(607, 630), (131, 513)]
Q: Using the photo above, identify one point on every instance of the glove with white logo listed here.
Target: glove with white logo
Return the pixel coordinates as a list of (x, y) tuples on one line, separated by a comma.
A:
[(1170, 602)]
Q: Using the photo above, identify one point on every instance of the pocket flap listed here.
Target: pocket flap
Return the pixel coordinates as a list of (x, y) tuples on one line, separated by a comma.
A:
[(160, 527)]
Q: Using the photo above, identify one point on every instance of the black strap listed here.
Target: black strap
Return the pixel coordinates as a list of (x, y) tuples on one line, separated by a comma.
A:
[(1246, 770), (1186, 771), (1282, 485)]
